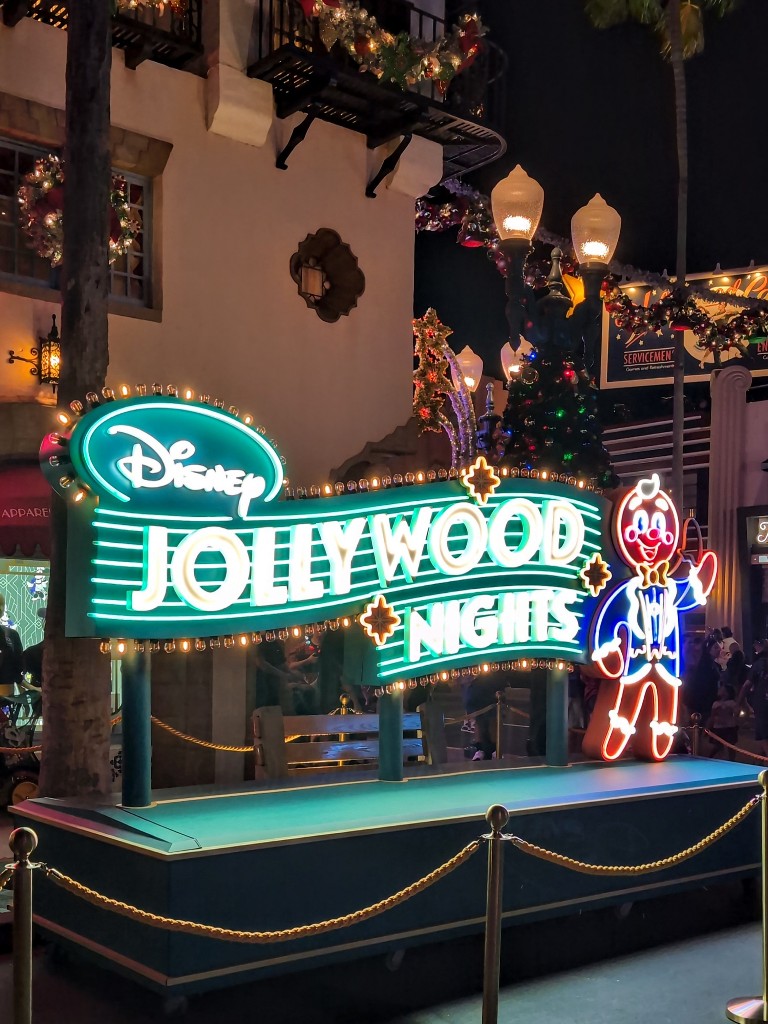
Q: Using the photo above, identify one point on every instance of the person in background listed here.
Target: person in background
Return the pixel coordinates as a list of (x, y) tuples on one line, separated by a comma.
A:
[(754, 693), (478, 692), (724, 720), (274, 676), (33, 659), (728, 646), (735, 673), (303, 665), (11, 656), (701, 684)]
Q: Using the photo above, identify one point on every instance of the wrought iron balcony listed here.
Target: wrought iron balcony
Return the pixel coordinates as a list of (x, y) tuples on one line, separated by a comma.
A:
[(328, 84), (144, 33)]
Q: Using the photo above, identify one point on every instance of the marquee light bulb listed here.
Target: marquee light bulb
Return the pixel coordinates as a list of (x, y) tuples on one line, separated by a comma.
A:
[(79, 495), (243, 640), (125, 391), (185, 646), (189, 394), (248, 420), (121, 646)]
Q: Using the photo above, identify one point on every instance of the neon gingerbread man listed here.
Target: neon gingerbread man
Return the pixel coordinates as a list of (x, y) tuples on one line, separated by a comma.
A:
[(636, 632)]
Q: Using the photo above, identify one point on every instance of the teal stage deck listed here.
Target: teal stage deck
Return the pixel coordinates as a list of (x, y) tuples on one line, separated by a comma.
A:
[(270, 859)]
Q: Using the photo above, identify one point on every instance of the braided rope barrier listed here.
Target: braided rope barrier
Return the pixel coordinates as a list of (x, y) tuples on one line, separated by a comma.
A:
[(160, 921), (739, 750), (201, 743), (585, 868), (258, 937)]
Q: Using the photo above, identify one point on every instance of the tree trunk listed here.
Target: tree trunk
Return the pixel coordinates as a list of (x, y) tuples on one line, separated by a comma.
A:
[(76, 677), (681, 127)]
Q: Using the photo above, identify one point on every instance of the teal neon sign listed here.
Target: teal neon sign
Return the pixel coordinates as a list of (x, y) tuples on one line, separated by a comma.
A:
[(180, 535)]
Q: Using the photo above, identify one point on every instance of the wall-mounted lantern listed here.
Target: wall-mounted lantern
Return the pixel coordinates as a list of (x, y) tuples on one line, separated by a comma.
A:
[(327, 275), (45, 359)]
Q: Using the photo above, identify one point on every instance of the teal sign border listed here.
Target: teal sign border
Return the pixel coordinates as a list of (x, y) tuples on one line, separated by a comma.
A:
[(109, 541)]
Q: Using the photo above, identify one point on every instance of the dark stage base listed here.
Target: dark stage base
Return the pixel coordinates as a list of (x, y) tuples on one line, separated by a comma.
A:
[(272, 859)]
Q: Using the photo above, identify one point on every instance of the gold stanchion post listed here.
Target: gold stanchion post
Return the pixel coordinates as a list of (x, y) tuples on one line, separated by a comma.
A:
[(497, 817), (499, 724), (22, 842), (695, 734), (754, 1008)]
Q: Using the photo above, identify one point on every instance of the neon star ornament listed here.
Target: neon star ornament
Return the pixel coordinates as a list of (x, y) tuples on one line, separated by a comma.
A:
[(481, 480), (379, 621), (635, 635), (595, 574)]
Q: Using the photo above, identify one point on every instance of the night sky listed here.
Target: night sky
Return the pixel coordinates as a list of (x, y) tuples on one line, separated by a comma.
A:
[(593, 111)]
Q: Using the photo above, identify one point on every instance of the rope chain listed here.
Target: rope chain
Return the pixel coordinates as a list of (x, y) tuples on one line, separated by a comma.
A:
[(200, 743), (739, 750), (260, 938), (638, 869), (5, 876)]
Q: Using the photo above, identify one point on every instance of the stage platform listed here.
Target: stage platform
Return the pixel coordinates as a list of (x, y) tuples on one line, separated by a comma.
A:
[(274, 858)]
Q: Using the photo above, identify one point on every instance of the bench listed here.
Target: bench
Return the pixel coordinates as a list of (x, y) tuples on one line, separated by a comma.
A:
[(289, 745)]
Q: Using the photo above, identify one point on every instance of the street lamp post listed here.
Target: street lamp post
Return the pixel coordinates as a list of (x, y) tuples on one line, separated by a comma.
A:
[(517, 202), (550, 361)]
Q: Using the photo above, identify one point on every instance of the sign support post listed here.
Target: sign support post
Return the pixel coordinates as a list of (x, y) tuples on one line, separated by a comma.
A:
[(391, 737), (137, 729), (557, 717)]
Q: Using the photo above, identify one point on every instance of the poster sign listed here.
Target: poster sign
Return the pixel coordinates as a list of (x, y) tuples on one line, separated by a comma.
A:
[(176, 531), (640, 358), (179, 530)]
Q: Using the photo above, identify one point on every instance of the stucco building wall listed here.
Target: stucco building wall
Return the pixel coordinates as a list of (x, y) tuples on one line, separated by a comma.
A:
[(226, 317)]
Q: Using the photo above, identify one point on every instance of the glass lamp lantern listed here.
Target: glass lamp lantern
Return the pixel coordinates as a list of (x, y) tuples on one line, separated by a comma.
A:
[(517, 202), (50, 357), (595, 231), (511, 363), (471, 367)]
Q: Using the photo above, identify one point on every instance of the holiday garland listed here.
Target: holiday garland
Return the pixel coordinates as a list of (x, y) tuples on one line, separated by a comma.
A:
[(401, 58), (177, 6), (680, 309), (41, 203), (432, 384)]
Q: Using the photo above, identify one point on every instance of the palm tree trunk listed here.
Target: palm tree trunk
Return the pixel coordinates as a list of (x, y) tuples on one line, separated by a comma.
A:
[(681, 127), (76, 681)]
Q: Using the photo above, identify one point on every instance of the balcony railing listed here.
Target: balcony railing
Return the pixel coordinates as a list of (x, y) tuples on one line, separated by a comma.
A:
[(145, 33), (288, 51)]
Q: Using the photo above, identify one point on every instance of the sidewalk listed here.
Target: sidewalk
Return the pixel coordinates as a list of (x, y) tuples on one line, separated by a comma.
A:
[(683, 983)]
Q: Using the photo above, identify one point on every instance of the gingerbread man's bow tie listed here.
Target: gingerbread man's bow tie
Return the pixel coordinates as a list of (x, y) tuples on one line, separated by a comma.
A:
[(654, 576)]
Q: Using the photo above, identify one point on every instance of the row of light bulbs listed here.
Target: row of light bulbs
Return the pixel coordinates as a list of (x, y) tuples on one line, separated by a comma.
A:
[(122, 647), (376, 483), (80, 491), (520, 665)]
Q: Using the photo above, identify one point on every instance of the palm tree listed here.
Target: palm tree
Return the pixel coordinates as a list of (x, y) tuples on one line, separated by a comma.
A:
[(76, 684), (680, 26)]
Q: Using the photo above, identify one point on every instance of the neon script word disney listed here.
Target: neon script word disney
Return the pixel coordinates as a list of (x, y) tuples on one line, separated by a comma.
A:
[(166, 467)]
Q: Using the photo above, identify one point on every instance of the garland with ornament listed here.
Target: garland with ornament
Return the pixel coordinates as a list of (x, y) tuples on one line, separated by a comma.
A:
[(680, 309), (41, 204), (177, 6), (401, 58)]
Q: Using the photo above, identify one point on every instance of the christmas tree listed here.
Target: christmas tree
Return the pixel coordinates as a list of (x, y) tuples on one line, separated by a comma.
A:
[(551, 421)]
